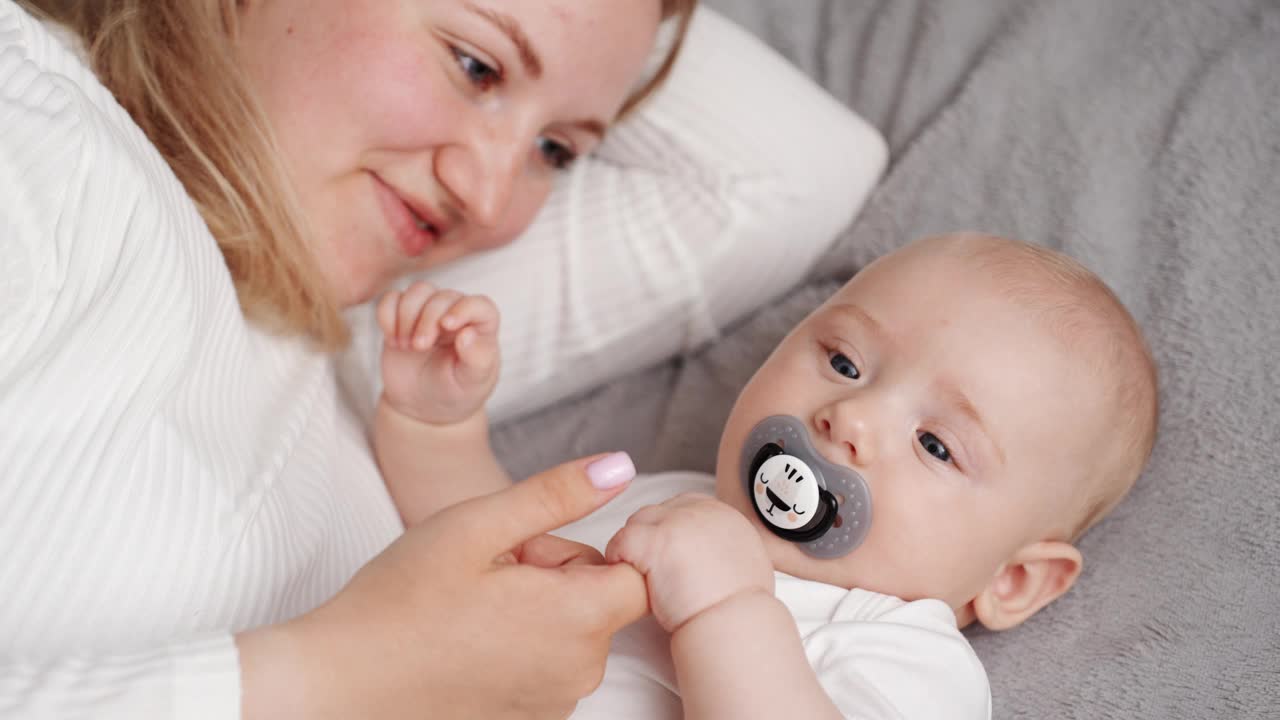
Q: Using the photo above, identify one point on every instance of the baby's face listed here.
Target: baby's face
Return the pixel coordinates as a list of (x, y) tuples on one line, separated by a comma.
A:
[(967, 418)]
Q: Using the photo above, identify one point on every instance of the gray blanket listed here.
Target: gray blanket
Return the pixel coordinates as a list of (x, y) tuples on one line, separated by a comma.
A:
[(1142, 137)]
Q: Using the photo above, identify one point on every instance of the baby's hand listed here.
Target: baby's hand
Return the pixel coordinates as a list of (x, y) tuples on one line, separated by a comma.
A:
[(695, 552), (440, 355)]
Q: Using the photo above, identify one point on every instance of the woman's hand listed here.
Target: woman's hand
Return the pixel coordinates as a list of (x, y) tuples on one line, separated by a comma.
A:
[(472, 614)]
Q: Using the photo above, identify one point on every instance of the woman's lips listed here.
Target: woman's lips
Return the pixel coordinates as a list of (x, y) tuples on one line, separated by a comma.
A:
[(413, 240)]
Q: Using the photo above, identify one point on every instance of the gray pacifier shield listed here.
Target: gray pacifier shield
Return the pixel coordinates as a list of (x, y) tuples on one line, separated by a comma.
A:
[(787, 505)]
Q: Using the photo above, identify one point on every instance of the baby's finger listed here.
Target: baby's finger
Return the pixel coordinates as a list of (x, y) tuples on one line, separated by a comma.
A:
[(687, 499), (478, 311), (648, 515), (387, 314), (477, 353), (411, 303), (427, 330), (628, 546)]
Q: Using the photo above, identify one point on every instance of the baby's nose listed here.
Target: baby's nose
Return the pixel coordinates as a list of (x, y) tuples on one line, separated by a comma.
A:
[(849, 434)]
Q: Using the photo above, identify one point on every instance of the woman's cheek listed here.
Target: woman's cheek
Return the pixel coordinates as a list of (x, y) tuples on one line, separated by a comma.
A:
[(416, 103), (528, 198)]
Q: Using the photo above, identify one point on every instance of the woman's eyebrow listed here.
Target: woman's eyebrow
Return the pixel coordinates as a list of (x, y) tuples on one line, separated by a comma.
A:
[(529, 57), (593, 126), (508, 26)]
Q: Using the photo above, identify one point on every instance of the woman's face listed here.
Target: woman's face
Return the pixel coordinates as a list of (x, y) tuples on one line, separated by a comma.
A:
[(418, 131)]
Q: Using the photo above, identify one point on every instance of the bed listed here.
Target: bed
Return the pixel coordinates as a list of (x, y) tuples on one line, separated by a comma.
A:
[(1142, 137)]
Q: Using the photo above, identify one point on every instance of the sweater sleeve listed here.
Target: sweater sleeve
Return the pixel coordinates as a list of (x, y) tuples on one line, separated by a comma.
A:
[(188, 681), (43, 291), (716, 197)]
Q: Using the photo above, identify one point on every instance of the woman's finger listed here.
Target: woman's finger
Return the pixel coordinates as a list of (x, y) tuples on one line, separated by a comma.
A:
[(502, 521), (618, 594), (550, 551)]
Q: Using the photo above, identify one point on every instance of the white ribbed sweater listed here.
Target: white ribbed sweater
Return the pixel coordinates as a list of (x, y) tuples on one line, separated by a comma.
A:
[(170, 476), (167, 474)]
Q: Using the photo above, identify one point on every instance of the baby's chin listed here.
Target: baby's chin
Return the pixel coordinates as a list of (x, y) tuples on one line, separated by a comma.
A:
[(787, 557)]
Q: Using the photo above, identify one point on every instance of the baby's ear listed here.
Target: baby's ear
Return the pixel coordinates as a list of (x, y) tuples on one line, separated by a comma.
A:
[(1035, 576)]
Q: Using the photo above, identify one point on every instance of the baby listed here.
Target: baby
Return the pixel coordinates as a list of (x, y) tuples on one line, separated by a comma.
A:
[(919, 453)]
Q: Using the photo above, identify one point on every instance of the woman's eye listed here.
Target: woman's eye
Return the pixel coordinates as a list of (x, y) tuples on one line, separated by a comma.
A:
[(934, 446), (557, 155), (843, 365), (480, 74)]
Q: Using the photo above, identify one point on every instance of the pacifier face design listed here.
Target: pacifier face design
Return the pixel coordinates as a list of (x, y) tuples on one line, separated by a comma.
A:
[(787, 492), (801, 497)]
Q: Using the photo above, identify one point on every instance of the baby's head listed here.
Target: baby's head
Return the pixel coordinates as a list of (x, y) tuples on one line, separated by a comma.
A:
[(997, 399)]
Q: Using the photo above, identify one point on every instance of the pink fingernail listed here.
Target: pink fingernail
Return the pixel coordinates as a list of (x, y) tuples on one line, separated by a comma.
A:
[(611, 471)]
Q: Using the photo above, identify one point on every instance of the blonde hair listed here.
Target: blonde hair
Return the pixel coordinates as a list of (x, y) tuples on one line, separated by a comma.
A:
[(171, 65)]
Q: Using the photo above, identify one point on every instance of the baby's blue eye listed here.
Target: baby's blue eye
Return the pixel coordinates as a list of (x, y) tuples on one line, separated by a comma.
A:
[(480, 74), (843, 365), (557, 155), (934, 446)]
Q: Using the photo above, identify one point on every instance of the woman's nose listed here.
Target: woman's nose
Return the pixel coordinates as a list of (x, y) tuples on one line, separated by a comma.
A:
[(848, 426), (481, 176)]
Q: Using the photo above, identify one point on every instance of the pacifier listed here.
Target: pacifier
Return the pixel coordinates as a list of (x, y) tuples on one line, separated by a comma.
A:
[(801, 497)]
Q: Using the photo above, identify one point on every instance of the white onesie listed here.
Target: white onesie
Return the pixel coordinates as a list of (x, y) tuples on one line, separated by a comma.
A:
[(875, 655)]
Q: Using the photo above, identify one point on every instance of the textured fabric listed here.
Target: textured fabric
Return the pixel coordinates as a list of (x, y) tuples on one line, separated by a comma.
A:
[(1142, 138), (168, 476), (876, 656), (717, 197)]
